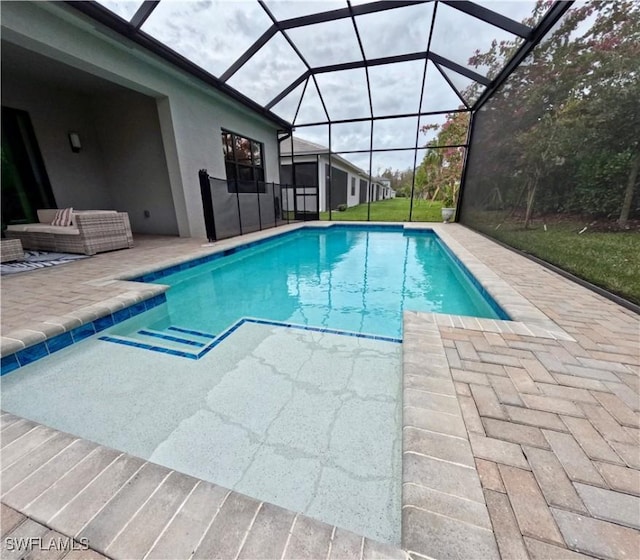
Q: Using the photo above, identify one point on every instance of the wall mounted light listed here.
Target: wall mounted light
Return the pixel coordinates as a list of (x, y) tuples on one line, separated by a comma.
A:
[(74, 140)]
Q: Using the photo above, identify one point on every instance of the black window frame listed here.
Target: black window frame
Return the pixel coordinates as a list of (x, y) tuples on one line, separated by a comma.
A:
[(242, 177), (353, 186)]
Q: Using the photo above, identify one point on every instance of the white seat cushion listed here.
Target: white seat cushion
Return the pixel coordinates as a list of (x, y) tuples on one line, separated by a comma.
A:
[(46, 228), (95, 211), (18, 227)]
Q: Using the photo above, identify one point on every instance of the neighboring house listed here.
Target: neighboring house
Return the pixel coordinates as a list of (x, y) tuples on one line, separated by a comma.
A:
[(350, 185), (93, 120), (387, 191)]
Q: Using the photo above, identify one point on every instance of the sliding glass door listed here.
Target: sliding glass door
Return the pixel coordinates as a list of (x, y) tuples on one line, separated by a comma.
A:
[(25, 184)]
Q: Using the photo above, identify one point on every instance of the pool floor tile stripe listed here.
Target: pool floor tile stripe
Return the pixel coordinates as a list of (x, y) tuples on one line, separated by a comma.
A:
[(171, 338), (221, 337), (191, 331), (225, 334), (160, 349), (282, 324), (322, 330)]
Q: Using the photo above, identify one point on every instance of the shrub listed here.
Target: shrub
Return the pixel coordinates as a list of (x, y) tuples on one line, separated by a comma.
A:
[(342, 207)]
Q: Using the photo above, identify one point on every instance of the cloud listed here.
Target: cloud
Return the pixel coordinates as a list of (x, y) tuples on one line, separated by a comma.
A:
[(327, 43), (395, 32), (212, 33), (269, 71), (345, 93)]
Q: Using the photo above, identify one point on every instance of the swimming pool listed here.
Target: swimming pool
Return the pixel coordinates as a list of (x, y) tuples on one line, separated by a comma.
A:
[(291, 390), (357, 279)]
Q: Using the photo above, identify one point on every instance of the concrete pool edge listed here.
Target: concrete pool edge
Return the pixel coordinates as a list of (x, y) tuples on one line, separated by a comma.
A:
[(441, 491)]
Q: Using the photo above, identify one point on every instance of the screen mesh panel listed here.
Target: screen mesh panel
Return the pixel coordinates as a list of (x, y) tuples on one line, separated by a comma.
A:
[(555, 153)]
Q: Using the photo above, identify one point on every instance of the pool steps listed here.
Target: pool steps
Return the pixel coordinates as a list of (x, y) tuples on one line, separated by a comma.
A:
[(165, 341), (171, 338), (177, 341)]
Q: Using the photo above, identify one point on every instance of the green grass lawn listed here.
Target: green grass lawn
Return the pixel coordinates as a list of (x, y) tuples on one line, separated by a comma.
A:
[(391, 210), (610, 260)]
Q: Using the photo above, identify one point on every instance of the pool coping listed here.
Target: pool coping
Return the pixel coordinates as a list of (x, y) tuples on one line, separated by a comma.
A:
[(441, 489)]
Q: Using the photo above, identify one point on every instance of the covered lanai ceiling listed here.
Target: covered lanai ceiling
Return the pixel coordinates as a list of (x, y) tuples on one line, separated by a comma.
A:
[(402, 64)]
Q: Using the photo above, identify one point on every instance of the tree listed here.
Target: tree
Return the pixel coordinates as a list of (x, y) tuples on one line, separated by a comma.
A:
[(440, 171), (611, 89), (400, 180), (563, 132)]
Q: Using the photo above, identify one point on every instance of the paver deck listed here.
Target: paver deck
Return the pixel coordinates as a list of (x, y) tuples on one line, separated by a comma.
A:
[(521, 439)]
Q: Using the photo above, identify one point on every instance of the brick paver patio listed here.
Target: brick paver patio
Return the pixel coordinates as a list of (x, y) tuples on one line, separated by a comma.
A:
[(521, 439)]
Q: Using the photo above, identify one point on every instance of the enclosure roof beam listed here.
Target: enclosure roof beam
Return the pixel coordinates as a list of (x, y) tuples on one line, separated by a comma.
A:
[(253, 49), (364, 56), (295, 48), (383, 117), (458, 68), (452, 85), (491, 17), (293, 85), (311, 20), (442, 61), (343, 13), (143, 12), (411, 149)]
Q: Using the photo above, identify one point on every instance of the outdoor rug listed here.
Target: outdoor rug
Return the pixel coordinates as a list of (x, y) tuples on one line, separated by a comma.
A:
[(38, 259)]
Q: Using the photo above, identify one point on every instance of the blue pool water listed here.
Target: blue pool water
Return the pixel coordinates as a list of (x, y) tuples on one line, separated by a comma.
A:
[(346, 278)]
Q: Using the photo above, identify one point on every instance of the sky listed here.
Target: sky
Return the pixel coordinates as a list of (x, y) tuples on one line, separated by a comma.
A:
[(214, 33)]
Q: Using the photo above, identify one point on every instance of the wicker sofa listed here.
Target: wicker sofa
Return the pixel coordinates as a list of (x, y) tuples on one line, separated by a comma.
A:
[(90, 232)]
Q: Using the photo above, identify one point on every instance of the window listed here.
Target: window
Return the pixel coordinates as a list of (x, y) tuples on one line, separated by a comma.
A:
[(244, 164), (353, 186)]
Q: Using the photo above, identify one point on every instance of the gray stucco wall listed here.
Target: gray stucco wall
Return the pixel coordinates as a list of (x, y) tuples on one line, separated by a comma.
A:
[(77, 180), (135, 166)]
